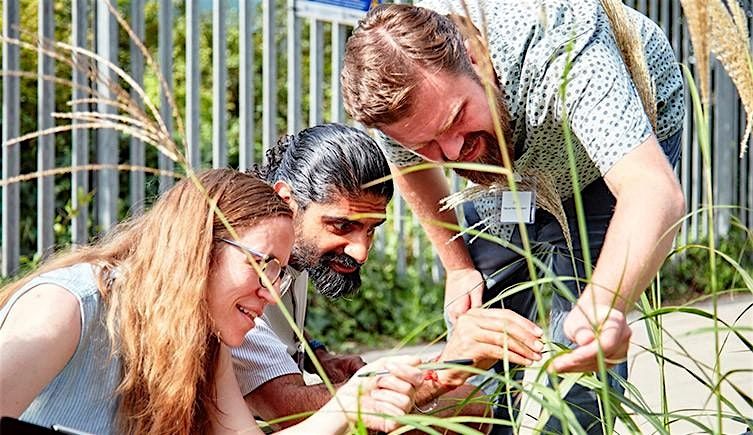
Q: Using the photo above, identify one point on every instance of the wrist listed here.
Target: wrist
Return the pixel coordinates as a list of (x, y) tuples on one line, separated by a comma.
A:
[(331, 417), (319, 349)]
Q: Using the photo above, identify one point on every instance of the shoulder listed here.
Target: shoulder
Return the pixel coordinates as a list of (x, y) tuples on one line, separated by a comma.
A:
[(39, 335), (46, 310)]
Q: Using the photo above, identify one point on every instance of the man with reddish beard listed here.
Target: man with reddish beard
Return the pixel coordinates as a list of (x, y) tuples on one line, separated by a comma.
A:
[(320, 172), (566, 104)]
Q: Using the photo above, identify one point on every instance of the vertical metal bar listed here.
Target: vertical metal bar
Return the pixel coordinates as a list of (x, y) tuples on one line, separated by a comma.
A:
[(725, 141), (417, 253), (193, 83), (641, 6), (219, 79), (748, 204), (653, 10), (740, 183), (316, 71), (80, 137), (399, 225), (137, 152), (46, 143), (338, 50), (665, 18), (107, 139), (437, 270), (165, 49), (679, 45), (11, 154), (294, 69), (246, 47), (269, 80)]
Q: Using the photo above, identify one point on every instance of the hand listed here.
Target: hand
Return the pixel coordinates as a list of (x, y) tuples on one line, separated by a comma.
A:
[(606, 323), (390, 395), (464, 289), (488, 335), (339, 368)]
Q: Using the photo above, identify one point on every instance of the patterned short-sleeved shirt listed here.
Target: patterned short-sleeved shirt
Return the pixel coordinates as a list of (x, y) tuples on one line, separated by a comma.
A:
[(528, 45)]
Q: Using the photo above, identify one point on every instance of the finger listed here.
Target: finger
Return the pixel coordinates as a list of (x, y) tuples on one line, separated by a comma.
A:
[(498, 319), (395, 384), (400, 401), (477, 296), (381, 363), (493, 353), (404, 372), (515, 338), (581, 359)]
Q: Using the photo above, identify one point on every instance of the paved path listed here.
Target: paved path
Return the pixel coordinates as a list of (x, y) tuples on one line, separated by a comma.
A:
[(683, 391)]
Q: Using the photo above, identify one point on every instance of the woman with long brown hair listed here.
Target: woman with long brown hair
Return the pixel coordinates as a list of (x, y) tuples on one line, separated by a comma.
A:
[(130, 334)]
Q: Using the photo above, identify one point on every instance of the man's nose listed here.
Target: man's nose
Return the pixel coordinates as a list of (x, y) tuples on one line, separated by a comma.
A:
[(451, 145), (359, 249)]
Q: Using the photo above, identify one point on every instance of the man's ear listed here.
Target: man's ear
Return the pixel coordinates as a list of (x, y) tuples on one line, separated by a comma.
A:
[(284, 191), (471, 52), (476, 54)]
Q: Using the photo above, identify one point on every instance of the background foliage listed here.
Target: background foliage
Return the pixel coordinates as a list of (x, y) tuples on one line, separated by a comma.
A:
[(389, 308)]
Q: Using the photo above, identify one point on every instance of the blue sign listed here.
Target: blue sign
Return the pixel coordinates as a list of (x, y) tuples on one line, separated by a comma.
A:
[(341, 11), (361, 5)]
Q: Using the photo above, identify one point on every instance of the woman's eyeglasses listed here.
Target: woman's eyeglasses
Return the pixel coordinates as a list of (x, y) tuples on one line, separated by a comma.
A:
[(270, 267)]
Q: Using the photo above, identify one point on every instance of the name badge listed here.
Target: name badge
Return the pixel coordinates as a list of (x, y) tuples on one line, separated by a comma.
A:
[(523, 207)]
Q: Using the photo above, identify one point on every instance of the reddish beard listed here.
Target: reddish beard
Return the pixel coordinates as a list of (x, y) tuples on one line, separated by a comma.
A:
[(491, 154)]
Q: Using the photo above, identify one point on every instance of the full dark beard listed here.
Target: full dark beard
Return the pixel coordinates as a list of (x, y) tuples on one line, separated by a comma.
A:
[(326, 280)]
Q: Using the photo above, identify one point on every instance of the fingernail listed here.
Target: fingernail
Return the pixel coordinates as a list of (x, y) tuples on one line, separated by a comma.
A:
[(538, 331), (539, 346)]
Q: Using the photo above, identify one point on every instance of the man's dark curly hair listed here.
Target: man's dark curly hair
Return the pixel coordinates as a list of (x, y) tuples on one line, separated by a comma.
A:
[(326, 161)]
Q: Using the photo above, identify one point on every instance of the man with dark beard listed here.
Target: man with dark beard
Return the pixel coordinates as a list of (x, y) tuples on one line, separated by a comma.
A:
[(320, 172)]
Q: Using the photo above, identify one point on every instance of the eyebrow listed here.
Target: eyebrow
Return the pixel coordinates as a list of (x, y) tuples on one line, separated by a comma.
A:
[(341, 219), (455, 111)]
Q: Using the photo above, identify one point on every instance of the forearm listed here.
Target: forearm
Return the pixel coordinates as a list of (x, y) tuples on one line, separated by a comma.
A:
[(286, 396), (635, 246), (329, 419), (423, 190)]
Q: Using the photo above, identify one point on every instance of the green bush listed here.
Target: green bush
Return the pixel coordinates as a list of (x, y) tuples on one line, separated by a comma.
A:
[(688, 273)]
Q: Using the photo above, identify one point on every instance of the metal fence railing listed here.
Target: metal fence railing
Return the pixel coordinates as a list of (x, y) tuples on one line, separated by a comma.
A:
[(281, 33)]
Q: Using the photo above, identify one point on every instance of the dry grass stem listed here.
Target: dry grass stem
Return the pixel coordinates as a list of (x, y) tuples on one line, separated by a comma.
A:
[(57, 80), (97, 116), (132, 109), (631, 49), (152, 64), (697, 19), (122, 74), (547, 196), (91, 167), (730, 46)]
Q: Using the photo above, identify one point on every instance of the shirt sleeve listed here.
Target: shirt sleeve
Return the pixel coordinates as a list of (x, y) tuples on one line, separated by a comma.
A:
[(396, 153), (261, 357), (605, 112)]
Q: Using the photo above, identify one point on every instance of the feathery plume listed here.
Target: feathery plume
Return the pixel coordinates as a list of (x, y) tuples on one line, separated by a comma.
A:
[(730, 45), (697, 19), (632, 54)]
